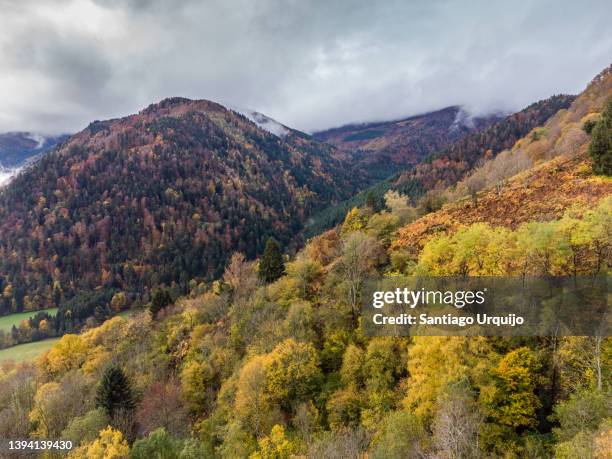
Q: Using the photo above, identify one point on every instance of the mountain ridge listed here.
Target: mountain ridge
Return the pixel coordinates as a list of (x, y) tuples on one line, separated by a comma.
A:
[(158, 197), (463, 153), (398, 144), (287, 367), (542, 175)]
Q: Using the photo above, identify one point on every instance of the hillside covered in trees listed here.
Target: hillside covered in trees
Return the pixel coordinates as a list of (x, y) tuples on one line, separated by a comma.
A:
[(387, 147), (160, 197), (446, 167), (270, 365), (442, 168), (542, 174)]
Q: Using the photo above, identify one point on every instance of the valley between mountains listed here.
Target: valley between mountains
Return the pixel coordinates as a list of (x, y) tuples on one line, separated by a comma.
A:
[(239, 246)]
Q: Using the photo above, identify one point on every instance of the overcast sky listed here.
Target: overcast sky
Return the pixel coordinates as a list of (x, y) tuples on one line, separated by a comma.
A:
[(308, 64)]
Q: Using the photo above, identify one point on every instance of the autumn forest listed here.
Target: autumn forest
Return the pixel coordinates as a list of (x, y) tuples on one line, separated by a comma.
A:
[(198, 278)]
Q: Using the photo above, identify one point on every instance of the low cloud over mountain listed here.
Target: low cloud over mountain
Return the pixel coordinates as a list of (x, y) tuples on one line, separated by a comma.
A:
[(313, 65)]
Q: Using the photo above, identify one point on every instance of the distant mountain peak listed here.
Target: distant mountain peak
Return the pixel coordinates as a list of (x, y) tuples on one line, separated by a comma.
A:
[(165, 196), (176, 105), (20, 148), (387, 147), (265, 122)]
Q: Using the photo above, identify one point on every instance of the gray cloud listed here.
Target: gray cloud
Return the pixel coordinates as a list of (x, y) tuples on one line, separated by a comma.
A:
[(309, 64)]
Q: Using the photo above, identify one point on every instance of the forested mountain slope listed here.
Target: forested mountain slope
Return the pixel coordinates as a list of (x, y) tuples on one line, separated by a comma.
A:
[(448, 166), (258, 367), (251, 369), (160, 197), (542, 193), (387, 147), (445, 167), (540, 177)]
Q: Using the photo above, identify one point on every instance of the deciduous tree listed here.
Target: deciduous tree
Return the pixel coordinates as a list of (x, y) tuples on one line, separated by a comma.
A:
[(457, 423), (110, 444)]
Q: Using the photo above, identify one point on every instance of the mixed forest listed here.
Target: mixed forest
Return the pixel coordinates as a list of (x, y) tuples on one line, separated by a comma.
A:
[(267, 357), (158, 198), (389, 147), (426, 182)]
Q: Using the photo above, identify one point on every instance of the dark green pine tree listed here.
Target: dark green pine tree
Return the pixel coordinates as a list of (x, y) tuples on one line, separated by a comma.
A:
[(161, 298), (371, 201), (114, 393), (271, 265), (600, 148)]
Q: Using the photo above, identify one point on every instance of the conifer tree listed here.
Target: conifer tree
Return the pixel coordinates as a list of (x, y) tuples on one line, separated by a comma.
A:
[(600, 148), (114, 392), (161, 298), (371, 201), (272, 265)]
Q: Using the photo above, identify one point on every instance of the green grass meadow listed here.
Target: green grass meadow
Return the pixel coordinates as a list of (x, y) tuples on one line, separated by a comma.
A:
[(7, 322), (28, 351)]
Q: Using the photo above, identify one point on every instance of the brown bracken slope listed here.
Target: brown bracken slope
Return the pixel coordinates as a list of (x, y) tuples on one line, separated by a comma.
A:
[(542, 193), (556, 175)]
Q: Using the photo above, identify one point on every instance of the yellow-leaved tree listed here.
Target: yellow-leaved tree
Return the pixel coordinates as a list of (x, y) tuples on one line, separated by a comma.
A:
[(511, 402), (435, 362), (276, 445), (253, 405), (68, 354), (110, 444)]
